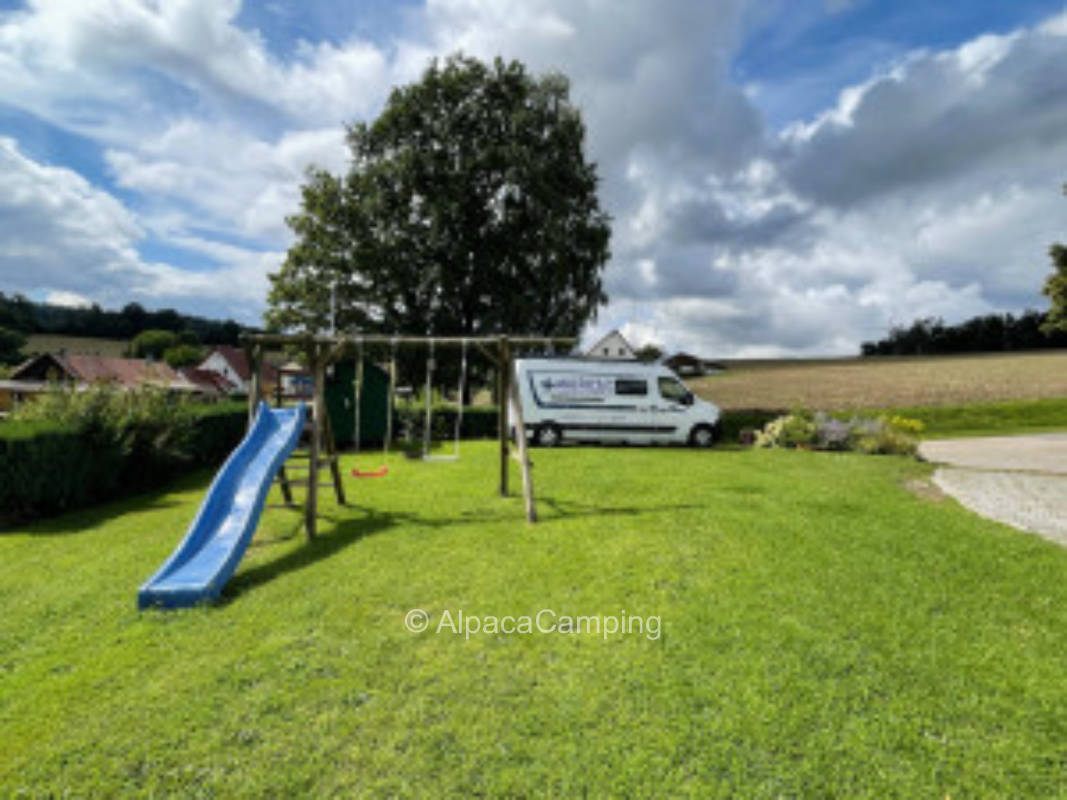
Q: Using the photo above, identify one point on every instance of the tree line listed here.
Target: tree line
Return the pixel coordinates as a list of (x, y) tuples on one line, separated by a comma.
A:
[(19, 313), (989, 333)]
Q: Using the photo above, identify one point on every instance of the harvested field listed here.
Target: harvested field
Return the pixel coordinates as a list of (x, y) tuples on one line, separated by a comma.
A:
[(84, 345), (884, 382)]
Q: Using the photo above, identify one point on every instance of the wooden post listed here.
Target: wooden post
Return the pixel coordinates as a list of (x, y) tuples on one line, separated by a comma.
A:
[(358, 399), (503, 380), (331, 459), (318, 411), (524, 458)]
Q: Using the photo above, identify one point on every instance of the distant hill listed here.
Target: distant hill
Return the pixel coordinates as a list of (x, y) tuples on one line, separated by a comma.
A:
[(22, 314)]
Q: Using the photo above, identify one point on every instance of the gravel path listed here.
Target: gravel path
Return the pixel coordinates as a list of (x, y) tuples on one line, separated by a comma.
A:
[(1035, 452), (1018, 480)]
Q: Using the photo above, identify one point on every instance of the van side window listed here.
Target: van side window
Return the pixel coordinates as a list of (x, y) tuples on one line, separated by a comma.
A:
[(670, 389), (631, 386)]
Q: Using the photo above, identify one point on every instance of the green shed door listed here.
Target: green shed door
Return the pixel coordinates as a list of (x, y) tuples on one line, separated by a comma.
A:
[(341, 400)]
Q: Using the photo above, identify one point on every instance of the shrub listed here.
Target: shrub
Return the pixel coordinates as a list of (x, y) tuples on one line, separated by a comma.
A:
[(791, 430), (151, 429), (734, 421), (883, 435), (70, 449)]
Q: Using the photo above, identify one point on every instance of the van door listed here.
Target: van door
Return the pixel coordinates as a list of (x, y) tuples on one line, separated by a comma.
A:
[(670, 409), (630, 420)]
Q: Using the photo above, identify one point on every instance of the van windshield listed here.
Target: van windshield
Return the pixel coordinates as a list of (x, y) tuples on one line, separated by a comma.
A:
[(670, 389)]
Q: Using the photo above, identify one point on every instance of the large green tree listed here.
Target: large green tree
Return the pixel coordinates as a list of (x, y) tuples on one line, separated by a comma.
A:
[(1056, 288), (469, 208)]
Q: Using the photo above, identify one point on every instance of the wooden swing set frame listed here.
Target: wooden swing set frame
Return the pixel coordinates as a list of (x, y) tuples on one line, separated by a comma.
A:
[(322, 350)]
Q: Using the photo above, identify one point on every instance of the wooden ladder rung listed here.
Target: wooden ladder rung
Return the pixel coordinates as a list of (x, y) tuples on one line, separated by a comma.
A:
[(323, 462)]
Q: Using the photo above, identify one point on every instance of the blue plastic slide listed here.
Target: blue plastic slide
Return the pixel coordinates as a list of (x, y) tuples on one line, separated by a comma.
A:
[(208, 555)]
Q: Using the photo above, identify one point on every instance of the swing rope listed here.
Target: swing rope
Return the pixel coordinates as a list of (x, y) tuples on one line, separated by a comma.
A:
[(454, 456), (429, 404), (384, 468)]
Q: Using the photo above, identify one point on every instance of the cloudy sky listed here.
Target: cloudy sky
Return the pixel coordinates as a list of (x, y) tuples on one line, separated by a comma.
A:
[(786, 177)]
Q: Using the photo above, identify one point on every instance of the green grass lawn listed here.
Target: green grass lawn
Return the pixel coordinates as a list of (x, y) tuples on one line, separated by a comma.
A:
[(826, 631), (990, 419)]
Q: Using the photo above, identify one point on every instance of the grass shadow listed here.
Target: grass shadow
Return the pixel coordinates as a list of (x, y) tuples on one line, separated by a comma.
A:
[(571, 509), (344, 533), (85, 519)]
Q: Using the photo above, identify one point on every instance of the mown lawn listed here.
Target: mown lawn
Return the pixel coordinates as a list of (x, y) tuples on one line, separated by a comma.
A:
[(827, 630)]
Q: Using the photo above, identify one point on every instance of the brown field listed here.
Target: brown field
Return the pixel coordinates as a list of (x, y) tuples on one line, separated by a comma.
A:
[(84, 345), (879, 382)]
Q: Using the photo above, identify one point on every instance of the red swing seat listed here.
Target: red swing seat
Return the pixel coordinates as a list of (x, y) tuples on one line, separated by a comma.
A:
[(381, 472)]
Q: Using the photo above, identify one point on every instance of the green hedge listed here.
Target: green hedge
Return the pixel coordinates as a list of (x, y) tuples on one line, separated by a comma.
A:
[(47, 467), (479, 422), (217, 430)]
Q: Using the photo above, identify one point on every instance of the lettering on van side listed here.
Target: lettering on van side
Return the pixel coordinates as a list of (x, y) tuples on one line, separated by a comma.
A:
[(572, 391)]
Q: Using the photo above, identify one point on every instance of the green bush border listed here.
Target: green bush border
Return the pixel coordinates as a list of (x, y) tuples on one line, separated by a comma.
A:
[(48, 467)]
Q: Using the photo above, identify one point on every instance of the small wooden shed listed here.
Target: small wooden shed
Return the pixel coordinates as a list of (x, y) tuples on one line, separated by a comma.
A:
[(340, 399)]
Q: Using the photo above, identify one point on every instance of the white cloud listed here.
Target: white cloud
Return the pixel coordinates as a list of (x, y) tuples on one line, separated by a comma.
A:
[(927, 189), (67, 299), (231, 178), (73, 244)]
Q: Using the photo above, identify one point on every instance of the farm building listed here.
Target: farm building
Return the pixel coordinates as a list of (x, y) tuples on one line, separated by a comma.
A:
[(612, 345), (687, 364)]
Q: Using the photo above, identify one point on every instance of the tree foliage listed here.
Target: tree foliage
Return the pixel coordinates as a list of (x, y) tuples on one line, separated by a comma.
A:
[(469, 209), (1055, 289), (983, 334), (153, 343), (649, 352), (183, 355), (22, 314), (11, 342)]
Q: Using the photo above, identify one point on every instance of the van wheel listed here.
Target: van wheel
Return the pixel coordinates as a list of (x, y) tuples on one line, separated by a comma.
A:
[(549, 435), (702, 436)]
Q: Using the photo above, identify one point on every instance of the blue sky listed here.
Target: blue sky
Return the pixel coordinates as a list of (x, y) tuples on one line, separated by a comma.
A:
[(785, 177)]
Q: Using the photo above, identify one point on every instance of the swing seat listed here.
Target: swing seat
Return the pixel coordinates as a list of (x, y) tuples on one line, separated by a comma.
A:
[(381, 472)]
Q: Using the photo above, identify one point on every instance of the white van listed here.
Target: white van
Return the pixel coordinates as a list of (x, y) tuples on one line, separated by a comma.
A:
[(588, 400)]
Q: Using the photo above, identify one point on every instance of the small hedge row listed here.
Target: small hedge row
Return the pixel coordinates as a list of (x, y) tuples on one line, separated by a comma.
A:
[(48, 467), (216, 431), (480, 422)]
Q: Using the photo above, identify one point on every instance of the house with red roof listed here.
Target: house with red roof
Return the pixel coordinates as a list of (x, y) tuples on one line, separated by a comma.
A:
[(81, 370), (232, 364), (211, 384)]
